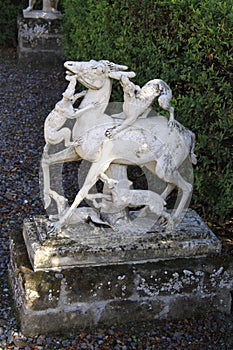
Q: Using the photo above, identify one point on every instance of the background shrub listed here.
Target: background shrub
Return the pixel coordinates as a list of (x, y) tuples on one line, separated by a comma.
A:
[(188, 43), (8, 21)]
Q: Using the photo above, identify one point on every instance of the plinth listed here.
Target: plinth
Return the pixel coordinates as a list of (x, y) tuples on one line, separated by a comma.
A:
[(100, 277), (39, 39), (88, 245)]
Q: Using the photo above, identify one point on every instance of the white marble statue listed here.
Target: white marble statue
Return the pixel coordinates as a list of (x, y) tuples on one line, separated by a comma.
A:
[(48, 6), (152, 142)]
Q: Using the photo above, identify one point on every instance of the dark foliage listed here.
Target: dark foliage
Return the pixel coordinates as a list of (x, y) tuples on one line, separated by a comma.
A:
[(10, 9)]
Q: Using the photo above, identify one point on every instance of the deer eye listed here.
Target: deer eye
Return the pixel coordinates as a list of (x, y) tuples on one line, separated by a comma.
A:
[(99, 69)]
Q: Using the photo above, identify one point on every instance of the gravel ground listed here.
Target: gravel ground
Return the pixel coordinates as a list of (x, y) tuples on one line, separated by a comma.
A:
[(27, 96)]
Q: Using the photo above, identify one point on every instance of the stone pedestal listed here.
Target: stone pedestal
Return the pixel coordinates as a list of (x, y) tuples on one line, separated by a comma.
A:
[(39, 40), (87, 245), (151, 278), (41, 14)]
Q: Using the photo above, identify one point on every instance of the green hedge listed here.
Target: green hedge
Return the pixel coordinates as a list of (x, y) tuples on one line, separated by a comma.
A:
[(8, 21), (188, 43)]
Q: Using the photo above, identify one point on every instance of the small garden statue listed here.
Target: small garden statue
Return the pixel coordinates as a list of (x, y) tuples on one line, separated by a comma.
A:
[(135, 136), (48, 6)]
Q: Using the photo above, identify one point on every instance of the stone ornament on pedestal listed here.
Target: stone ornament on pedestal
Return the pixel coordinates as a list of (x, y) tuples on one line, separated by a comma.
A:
[(126, 252), (49, 10), (39, 36)]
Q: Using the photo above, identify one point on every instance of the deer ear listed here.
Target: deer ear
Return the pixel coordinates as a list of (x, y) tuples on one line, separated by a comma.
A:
[(100, 68), (114, 75)]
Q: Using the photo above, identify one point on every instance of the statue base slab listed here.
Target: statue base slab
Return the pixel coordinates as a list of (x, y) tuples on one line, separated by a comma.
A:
[(41, 14), (84, 297), (39, 40), (86, 245)]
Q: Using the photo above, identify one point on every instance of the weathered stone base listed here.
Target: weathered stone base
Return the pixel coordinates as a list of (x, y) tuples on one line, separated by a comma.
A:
[(87, 245), (74, 298), (39, 41), (41, 14)]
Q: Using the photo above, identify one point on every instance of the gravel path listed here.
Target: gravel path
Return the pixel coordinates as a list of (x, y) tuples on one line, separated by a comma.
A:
[(27, 96)]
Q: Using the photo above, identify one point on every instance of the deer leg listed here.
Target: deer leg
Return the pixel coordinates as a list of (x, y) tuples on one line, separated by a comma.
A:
[(170, 187), (61, 201), (66, 155), (95, 170), (173, 178)]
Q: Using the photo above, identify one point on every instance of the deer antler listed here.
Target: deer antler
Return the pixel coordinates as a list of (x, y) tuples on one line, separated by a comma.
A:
[(113, 66)]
